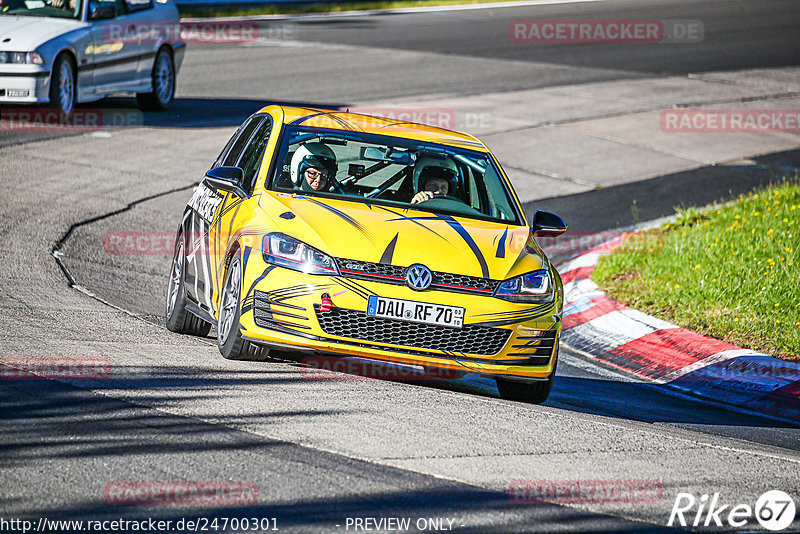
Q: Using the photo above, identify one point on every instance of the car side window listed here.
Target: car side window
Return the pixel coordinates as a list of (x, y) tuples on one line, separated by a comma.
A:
[(228, 145), (253, 154), (241, 142)]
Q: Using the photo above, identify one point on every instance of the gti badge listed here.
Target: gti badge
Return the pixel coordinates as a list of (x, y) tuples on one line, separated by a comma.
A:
[(419, 277)]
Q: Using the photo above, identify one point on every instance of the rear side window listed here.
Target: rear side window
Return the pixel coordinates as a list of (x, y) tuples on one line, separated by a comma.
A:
[(253, 154), (241, 142)]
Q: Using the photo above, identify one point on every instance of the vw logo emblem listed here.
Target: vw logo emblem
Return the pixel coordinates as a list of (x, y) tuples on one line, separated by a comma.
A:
[(419, 277)]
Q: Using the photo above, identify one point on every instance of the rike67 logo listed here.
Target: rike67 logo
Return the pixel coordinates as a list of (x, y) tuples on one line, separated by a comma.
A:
[(774, 510)]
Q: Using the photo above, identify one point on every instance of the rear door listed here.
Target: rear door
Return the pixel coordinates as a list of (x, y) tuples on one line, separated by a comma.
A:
[(115, 47)]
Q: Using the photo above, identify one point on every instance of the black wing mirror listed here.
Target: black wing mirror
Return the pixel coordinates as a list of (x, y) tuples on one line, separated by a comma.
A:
[(546, 224), (102, 12), (226, 179)]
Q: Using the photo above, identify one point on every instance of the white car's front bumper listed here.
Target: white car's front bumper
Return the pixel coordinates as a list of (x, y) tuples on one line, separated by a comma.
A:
[(24, 84)]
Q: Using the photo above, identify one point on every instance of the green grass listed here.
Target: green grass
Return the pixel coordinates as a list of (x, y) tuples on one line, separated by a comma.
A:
[(310, 7), (732, 273)]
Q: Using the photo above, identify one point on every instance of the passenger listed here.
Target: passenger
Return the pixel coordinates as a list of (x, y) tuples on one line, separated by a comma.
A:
[(313, 166)]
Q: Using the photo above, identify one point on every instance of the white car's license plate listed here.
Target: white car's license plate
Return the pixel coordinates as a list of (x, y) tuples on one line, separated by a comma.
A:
[(415, 312)]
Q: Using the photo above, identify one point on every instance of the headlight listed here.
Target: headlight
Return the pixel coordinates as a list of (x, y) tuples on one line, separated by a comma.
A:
[(21, 57), (532, 287), (280, 249)]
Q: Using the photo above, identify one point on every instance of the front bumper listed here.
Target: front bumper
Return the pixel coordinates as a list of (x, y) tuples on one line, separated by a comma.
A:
[(24, 84), (281, 308)]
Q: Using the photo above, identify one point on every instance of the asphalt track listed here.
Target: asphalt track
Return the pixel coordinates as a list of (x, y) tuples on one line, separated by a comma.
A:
[(321, 451)]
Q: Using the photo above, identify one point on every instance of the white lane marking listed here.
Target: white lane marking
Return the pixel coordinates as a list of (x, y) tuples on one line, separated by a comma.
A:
[(711, 360), (580, 288), (612, 330), (586, 260), (395, 11)]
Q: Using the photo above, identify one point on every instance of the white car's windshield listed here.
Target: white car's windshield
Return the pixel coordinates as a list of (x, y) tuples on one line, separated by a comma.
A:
[(65, 9), (393, 171)]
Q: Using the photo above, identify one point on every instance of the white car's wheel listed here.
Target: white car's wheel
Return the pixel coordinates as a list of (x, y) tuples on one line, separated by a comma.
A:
[(63, 84), (163, 77)]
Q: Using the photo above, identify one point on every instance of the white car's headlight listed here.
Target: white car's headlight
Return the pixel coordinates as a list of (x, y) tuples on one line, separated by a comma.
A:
[(280, 249), (532, 287), (21, 57)]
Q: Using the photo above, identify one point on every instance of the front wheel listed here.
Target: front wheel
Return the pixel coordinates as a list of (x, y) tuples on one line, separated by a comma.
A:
[(231, 344), (163, 77), (530, 392), (62, 85)]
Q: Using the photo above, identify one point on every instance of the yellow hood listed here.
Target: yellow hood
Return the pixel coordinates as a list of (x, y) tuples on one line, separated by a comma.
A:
[(374, 233)]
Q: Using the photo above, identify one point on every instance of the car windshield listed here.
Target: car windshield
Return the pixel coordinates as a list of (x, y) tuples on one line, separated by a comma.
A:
[(65, 9), (377, 169)]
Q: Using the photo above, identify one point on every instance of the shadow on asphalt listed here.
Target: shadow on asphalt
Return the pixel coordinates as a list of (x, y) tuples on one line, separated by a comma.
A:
[(203, 112), (120, 112), (629, 204), (50, 425)]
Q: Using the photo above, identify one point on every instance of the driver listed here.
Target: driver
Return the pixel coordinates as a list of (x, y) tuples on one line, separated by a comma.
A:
[(313, 167), (68, 5), (434, 177)]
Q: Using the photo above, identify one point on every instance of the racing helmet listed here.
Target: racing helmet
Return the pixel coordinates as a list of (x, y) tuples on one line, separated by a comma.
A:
[(316, 155), (428, 167)]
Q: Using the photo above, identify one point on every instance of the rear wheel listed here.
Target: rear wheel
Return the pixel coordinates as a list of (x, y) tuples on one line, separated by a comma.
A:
[(229, 336), (163, 76), (178, 318), (531, 392)]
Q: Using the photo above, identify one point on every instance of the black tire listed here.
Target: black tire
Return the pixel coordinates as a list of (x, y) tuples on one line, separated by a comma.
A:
[(231, 344), (178, 319), (163, 78), (530, 392), (62, 81)]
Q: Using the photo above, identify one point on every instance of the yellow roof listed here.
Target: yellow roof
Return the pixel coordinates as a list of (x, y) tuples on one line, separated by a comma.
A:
[(358, 122)]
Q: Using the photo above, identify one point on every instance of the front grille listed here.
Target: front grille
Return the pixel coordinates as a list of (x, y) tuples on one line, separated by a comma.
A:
[(394, 274), (470, 339)]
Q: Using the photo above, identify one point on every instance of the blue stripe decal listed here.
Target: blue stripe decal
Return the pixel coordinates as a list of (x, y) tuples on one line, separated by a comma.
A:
[(501, 246)]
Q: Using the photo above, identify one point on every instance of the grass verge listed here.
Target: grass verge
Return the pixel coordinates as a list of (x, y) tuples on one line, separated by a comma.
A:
[(301, 8), (730, 272)]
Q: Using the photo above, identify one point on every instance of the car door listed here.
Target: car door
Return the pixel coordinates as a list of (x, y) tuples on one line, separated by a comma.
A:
[(235, 210), (204, 206), (143, 18), (115, 46)]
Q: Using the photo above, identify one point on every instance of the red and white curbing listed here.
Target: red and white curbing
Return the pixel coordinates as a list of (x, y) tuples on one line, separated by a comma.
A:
[(606, 330)]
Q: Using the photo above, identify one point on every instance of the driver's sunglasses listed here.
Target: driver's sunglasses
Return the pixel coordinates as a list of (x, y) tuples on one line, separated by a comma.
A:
[(313, 174)]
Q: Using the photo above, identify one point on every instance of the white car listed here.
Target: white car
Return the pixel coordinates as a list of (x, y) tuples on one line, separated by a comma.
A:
[(69, 51)]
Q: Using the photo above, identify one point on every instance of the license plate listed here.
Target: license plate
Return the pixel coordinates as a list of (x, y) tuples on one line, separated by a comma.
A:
[(415, 312)]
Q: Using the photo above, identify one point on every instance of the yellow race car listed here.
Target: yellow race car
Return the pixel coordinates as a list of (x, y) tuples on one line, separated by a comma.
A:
[(343, 234)]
